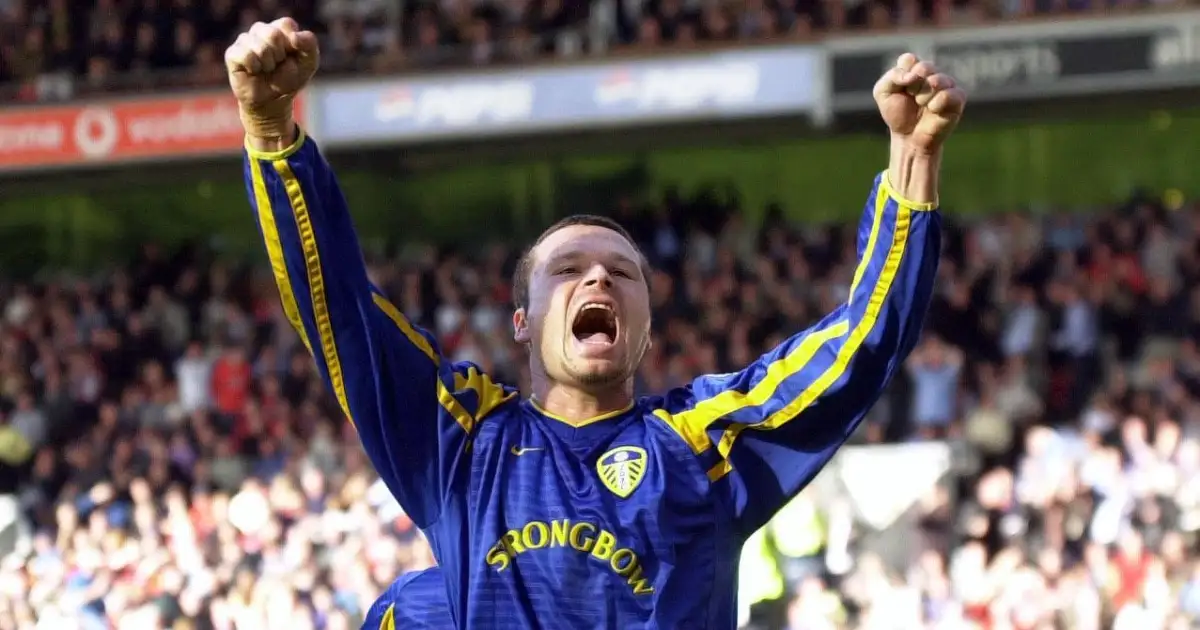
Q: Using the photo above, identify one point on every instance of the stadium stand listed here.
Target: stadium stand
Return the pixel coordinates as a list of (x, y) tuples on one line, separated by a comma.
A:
[(182, 467), (51, 50)]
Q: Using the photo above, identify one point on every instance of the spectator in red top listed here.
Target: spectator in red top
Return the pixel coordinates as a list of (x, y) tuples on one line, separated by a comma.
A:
[(231, 381), (1132, 564), (1125, 268)]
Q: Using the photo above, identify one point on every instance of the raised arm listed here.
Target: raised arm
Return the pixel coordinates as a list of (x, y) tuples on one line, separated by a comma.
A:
[(414, 411), (764, 432)]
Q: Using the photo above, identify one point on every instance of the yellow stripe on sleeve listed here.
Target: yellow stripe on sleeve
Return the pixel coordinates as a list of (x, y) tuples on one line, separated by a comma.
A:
[(266, 219), (414, 337), (692, 425), (845, 355), (873, 238), (445, 398), (316, 282)]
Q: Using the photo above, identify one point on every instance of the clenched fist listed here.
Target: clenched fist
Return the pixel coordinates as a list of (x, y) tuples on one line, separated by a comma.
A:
[(268, 66), (920, 105)]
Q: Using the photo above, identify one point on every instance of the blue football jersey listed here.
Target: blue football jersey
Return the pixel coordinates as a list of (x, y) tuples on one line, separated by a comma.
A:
[(415, 601), (633, 520)]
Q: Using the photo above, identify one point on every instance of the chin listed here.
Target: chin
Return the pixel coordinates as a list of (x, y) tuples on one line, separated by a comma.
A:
[(597, 373)]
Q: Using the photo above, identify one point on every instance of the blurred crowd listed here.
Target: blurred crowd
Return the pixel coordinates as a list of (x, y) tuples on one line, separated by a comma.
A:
[(173, 461), (179, 463), (1061, 355), (59, 49)]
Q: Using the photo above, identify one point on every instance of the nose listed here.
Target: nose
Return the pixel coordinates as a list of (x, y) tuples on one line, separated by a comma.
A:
[(598, 277)]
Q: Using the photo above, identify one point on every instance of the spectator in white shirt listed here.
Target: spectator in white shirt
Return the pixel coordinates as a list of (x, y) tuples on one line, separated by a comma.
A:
[(193, 373)]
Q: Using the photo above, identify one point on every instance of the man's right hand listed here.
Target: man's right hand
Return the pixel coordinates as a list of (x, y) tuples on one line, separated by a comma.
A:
[(268, 66)]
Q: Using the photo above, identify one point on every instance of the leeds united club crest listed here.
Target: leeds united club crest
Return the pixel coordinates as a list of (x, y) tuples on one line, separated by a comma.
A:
[(622, 469)]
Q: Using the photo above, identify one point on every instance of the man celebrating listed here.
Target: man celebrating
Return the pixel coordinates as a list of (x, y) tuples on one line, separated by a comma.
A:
[(581, 507)]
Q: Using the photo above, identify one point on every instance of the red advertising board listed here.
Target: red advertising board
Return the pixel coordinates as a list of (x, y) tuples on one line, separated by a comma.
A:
[(163, 127)]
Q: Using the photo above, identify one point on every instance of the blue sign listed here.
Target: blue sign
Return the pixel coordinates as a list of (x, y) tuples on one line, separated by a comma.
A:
[(725, 85)]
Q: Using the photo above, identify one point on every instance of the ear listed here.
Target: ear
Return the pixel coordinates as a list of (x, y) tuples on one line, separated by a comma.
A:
[(520, 326)]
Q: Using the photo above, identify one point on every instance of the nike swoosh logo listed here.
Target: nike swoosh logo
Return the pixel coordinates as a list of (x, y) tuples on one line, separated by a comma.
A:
[(519, 451)]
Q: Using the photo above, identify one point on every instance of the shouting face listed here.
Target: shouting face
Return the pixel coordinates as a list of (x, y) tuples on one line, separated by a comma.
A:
[(587, 316)]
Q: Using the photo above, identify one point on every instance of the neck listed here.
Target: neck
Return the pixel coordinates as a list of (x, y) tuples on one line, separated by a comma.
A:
[(576, 405)]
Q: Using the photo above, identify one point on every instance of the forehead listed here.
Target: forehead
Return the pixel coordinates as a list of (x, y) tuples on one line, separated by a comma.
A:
[(584, 241)]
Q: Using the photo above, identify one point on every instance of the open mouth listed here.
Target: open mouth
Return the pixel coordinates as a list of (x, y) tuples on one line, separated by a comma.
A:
[(595, 323)]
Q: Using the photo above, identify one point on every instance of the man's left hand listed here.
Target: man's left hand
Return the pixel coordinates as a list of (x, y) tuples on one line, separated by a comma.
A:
[(920, 105)]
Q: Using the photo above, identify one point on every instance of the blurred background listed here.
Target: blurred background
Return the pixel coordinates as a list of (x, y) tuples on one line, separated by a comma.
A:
[(168, 458)]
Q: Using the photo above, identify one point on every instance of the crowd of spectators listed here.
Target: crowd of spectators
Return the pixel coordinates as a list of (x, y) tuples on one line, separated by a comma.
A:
[(59, 49), (1061, 352), (178, 464)]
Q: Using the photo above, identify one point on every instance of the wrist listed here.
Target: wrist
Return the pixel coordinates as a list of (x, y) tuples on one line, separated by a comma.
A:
[(905, 145), (269, 128), (913, 170)]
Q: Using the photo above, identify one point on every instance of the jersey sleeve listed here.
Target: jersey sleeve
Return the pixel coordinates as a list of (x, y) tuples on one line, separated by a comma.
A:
[(414, 411), (764, 432)]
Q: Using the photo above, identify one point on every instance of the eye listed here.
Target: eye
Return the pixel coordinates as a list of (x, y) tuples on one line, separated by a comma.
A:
[(565, 271), (621, 273)]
